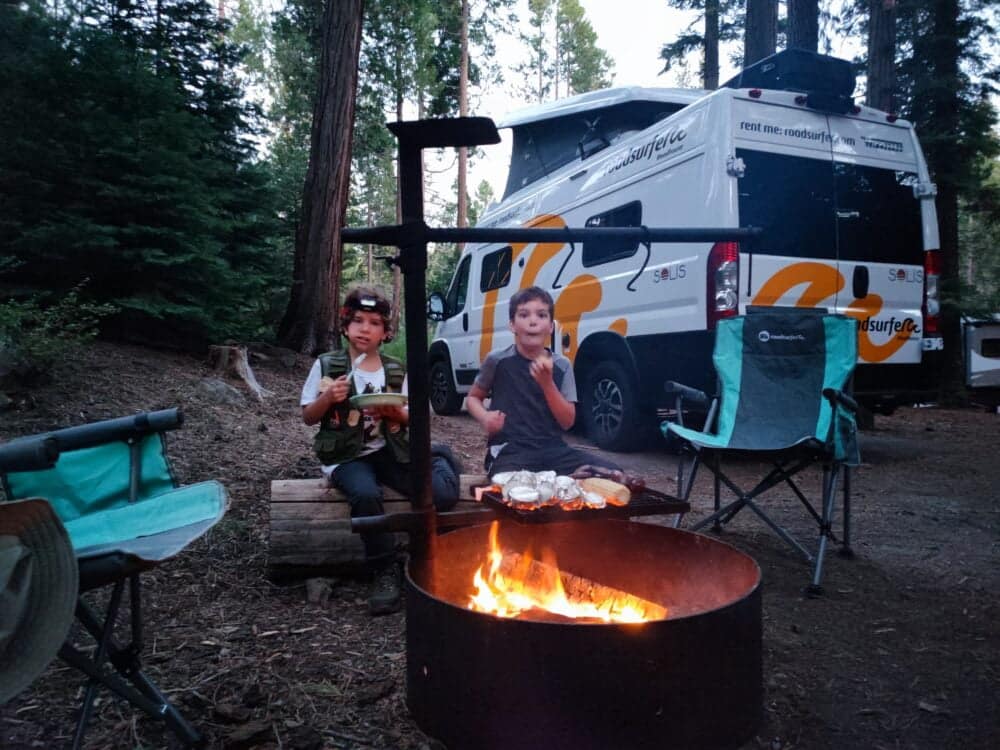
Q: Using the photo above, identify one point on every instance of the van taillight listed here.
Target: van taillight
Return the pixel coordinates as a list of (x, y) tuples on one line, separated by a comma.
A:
[(932, 300), (722, 300)]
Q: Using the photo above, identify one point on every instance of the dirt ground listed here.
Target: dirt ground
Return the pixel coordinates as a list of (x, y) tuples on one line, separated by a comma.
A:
[(902, 652)]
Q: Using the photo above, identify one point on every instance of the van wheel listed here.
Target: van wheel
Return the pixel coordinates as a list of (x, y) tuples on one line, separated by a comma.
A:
[(445, 400), (611, 409)]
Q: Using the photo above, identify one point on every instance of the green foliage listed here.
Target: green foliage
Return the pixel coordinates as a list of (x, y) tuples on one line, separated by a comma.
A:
[(582, 64), (979, 248), (732, 19), (43, 329), (127, 160)]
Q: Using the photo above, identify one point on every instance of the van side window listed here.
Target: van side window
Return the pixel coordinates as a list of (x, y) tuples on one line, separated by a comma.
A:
[(596, 252), (495, 273), (459, 288)]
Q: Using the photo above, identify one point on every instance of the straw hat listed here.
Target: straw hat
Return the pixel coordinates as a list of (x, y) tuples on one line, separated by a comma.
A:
[(38, 589)]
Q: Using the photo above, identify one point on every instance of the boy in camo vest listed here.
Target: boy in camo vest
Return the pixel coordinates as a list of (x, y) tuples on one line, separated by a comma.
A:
[(361, 449)]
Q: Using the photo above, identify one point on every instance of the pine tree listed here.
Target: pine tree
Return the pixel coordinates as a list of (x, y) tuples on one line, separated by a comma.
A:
[(722, 21)]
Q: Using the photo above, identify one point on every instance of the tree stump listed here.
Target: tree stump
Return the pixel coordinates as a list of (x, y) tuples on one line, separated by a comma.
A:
[(232, 360)]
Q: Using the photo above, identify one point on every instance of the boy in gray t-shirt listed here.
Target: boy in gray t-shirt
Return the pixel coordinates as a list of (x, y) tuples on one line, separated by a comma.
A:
[(533, 396)]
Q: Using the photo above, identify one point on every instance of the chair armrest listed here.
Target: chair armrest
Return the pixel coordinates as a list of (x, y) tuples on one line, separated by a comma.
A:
[(839, 397), (686, 392), (29, 454), (122, 428)]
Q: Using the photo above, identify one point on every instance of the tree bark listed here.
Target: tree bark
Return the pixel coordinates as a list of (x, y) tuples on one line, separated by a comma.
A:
[(803, 24), (761, 36), (310, 322), (710, 75), (881, 54), (945, 159)]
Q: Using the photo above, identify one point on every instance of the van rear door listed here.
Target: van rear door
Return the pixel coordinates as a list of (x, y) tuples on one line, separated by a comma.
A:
[(879, 237), (837, 221)]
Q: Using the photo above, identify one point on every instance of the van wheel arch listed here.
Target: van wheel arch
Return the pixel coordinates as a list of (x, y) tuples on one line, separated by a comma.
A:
[(444, 397), (609, 393)]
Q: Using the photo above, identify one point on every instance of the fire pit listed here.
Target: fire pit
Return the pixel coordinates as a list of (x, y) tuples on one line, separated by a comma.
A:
[(544, 680)]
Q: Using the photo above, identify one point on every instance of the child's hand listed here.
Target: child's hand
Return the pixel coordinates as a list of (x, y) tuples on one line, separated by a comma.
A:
[(494, 422), (337, 389), (541, 370)]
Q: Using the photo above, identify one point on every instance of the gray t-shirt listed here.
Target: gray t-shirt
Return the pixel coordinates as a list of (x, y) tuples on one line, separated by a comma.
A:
[(505, 376)]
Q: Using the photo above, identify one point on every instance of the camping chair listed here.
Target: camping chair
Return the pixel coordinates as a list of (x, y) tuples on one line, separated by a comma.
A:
[(113, 490), (783, 377)]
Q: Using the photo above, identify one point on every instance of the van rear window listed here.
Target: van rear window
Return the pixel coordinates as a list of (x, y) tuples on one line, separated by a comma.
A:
[(813, 208), (878, 215), (791, 199)]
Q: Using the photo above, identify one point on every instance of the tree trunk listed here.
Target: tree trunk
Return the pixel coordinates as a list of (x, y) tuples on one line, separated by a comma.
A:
[(463, 110), (803, 24), (710, 75), (944, 156), (761, 36), (881, 54), (310, 322)]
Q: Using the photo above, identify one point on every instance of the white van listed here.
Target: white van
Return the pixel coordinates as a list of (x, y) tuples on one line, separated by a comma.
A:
[(841, 193)]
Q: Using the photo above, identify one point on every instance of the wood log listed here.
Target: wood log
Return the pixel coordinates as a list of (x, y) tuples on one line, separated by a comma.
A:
[(310, 526), (579, 590)]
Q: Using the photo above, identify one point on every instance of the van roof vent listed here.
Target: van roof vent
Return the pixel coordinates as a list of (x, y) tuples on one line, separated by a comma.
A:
[(827, 82)]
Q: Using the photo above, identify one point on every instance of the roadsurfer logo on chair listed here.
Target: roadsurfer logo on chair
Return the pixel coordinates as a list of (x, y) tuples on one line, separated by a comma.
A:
[(765, 336)]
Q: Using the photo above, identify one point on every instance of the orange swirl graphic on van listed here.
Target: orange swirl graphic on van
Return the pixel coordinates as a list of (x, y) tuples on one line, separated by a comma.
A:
[(868, 308), (542, 254), (581, 295), (822, 283)]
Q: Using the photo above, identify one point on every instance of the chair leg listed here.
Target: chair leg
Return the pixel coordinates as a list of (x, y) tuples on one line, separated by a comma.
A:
[(779, 530), (829, 496), (103, 637), (125, 678)]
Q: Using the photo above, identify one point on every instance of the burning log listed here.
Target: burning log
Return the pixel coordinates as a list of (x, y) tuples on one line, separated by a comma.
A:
[(594, 601)]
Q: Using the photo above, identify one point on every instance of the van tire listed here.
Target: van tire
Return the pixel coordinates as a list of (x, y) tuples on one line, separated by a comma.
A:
[(611, 409), (445, 400)]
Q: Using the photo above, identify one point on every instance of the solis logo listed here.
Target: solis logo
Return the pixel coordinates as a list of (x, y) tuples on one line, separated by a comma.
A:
[(670, 273), (907, 275)]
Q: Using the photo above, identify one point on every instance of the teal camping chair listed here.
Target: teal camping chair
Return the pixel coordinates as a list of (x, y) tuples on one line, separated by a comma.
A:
[(783, 378), (111, 486)]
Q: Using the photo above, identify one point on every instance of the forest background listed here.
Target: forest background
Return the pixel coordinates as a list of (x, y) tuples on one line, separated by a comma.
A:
[(154, 153)]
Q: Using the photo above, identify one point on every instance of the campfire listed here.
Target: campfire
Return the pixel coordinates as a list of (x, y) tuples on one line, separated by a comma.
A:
[(516, 585)]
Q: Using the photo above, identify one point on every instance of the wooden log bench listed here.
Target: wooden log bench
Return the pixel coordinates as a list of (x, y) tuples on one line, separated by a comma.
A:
[(310, 526)]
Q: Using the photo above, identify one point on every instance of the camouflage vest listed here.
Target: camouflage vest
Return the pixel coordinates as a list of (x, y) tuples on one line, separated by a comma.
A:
[(341, 431)]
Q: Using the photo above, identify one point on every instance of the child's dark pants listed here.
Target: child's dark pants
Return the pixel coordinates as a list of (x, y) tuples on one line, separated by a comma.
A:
[(360, 479)]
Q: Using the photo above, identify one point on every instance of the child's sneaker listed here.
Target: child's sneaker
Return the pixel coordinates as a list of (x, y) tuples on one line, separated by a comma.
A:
[(386, 594)]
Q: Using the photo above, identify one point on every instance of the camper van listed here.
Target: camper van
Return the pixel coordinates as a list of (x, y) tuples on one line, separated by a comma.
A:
[(840, 192)]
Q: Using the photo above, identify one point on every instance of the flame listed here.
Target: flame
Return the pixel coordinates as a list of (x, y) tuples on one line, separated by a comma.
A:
[(510, 593)]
